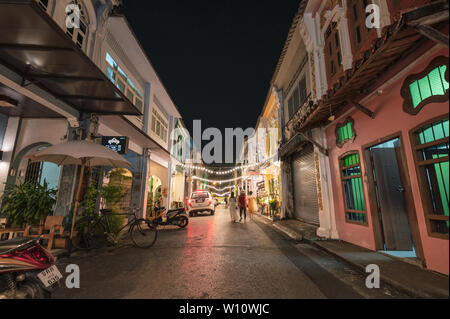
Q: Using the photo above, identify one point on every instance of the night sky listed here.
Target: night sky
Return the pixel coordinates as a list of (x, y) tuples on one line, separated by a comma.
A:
[(215, 58)]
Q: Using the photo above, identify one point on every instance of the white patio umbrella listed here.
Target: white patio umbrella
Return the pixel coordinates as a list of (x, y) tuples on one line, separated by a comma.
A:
[(84, 153)]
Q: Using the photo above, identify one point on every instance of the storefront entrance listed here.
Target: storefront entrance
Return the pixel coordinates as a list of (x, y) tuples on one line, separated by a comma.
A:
[(305, 187), (386, 162)]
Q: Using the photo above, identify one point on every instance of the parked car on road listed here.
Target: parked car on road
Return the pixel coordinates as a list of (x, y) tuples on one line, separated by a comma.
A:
[(201, 201)]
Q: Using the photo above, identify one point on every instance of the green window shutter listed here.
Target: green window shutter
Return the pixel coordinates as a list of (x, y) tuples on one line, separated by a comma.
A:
[(425, 88), (415, 93), (431, 85), (442, 70), (345, 132)]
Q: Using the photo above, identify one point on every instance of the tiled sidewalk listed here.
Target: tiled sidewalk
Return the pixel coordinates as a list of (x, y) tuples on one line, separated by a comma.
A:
[(412, 279)]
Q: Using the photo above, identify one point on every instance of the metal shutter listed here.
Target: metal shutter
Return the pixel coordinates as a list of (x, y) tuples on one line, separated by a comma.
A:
[(305, 188)]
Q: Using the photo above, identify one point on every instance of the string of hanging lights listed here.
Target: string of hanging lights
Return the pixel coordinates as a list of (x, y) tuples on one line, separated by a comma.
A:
[(220, 172), (220, 190), (220, 195), (218, 181)]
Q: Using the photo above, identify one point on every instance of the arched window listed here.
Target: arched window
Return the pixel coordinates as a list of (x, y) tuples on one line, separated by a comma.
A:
[(354, 200), (79, 35), (39, 172)]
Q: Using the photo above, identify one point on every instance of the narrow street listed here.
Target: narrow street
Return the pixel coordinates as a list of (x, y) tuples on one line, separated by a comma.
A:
[(214, 258)]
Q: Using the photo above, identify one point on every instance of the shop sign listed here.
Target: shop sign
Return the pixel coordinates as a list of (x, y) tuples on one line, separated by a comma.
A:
[(118, 144)]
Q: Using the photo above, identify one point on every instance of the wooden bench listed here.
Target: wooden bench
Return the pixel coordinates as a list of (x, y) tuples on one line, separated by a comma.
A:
[(52, 228), (9, 233)]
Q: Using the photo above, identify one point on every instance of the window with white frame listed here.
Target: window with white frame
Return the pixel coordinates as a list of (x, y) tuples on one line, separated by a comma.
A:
[(159, 125), (123, 82), (79, 35), (298, 96), (43, 4)]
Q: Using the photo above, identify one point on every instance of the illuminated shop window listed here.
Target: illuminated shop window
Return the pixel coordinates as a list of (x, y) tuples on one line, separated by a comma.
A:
[(355, 204), (431, 147), (345, 132), (429, 86)]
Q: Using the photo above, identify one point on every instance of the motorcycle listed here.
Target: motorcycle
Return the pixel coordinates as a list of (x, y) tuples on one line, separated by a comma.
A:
[(27, 270), (176, 217)]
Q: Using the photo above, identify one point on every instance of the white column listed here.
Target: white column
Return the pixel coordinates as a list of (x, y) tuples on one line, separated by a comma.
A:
[(145, 180), (325, 191), (170, 186), (8, 148), (346, 48)]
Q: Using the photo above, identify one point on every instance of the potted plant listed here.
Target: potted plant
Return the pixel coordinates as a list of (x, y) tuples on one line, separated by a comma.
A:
[(28, 203), (274, 206)]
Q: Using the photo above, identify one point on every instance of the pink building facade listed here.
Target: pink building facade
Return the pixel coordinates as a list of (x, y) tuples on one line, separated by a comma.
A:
[(382, 105), (391, 123)]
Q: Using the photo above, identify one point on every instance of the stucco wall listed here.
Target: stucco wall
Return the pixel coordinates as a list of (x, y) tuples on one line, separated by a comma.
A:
[(390, 119)]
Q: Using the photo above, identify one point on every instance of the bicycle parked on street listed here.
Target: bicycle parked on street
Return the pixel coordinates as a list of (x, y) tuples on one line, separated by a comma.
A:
[(95, 231)]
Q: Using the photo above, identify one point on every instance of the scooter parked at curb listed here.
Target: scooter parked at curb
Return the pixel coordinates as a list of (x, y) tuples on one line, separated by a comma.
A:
[(175, 217), (27, 270)]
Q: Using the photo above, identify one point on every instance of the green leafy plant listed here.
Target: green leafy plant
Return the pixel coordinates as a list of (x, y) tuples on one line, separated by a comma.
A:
[(274, 205), (28, 203)]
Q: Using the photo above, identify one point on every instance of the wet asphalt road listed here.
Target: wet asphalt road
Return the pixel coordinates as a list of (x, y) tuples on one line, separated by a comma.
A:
[(214, 258)]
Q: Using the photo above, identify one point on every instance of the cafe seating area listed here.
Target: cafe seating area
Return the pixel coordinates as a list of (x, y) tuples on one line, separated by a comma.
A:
[(9, 233), (51, 232)]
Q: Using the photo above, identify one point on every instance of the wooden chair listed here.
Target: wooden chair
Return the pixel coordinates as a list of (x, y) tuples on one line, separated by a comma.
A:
[(52, 227), (3, 223)]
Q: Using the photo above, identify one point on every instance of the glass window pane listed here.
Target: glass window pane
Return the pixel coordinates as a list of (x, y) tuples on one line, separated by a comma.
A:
[(110, 74), (436, 82), (425, 89), (121, 85), (153, 124), (415, 93), (438, 187), (296, 100), (443, 69), (158, 129)]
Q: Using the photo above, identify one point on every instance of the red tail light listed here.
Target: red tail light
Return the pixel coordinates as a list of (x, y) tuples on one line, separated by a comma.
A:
[(210, 201), (190, 202), (35, 255)]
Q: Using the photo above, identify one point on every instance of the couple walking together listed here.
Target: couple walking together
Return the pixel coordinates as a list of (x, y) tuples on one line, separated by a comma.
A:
[(241, 204)]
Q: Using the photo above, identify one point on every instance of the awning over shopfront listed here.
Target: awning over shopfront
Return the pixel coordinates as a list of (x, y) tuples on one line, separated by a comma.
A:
[(35, 47), (397, 41), (125, 127), (23, 106)]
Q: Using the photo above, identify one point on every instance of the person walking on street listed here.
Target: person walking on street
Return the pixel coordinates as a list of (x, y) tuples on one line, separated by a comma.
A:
[(233, 208), (252, 205), (242, 206)]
